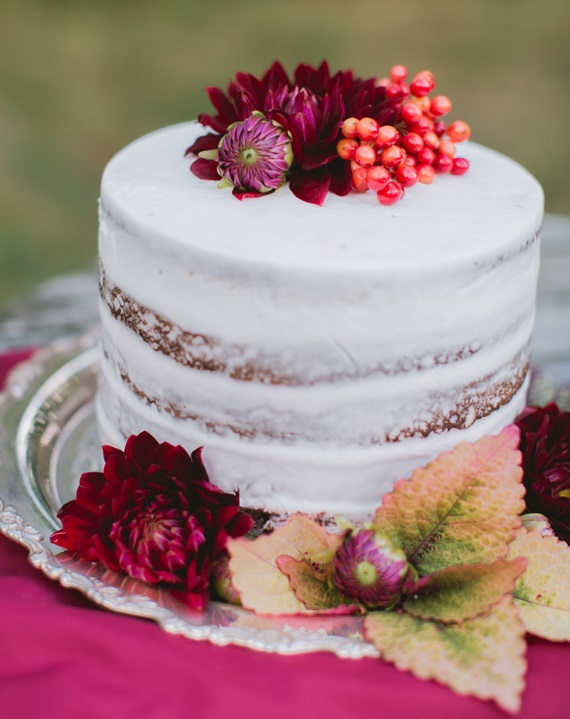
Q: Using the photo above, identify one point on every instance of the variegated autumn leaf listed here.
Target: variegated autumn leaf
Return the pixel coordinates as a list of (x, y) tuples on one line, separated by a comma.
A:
[(256, 576), (483, 657), (462, 592), (461, 508), (542, 593), (312, 587)]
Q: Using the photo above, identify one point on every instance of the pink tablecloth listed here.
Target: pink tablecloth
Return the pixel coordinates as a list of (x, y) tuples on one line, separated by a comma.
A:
[(61, 656)]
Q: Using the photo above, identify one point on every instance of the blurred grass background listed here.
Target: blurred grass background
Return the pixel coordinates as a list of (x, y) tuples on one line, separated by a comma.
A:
[(81, 78)]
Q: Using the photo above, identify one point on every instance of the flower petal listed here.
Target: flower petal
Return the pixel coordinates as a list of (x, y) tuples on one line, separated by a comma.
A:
[(203, 143), (310, 186), (205, 169)]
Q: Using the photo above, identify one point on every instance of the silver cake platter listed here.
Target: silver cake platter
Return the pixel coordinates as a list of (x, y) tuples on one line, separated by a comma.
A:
[(48, 437)]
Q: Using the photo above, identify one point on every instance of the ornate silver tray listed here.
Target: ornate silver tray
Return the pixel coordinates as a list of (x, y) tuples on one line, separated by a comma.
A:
[(48, 437)]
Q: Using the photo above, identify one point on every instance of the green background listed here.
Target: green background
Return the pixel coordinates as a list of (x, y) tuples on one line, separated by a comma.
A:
[(79, 79)]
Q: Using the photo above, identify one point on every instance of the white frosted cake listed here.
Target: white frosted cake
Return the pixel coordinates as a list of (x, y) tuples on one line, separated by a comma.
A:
[(318, 354)]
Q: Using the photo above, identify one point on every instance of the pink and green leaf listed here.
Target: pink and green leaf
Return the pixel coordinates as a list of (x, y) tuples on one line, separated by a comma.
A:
[(462, 508), (256, 576), (312, 588), (542, 593), (483, 657), (462, 592)]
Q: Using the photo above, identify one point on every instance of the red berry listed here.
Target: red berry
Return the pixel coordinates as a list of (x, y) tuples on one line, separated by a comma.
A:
[(420, 88), (367, 129), (387, 136), (431, 140), (422, 125), (390, 193), (393, 156), (422, 84), (365, 155), (359, 179), (426, 174), (440, 105), (410, 161), (428, 76), (383, 82), (410, 112), (447, 148), (423, 102), (460, 166), (425, 156), (459, 131), (348, 127), (406, 176), (439, 128), (397, 89), (443, 163), (412, 142), (346, 148), (377, 177), (398, 73)]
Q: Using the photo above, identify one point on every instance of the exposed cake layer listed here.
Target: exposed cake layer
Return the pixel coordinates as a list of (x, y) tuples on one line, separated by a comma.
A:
[(318, 353)]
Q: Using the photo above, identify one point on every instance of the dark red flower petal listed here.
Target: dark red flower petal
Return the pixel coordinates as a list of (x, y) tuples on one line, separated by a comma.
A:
[(140, 448), (245, 195), (204, 142), (217, 124), (205, 169), (310, 186), (276, 76), (226, 110), (341, 178)]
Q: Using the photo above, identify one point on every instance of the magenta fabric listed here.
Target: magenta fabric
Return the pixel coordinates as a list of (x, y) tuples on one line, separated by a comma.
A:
[(63, 657)]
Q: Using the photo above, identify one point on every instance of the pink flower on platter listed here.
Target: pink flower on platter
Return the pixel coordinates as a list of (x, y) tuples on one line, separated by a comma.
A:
[(545, 447), (153, 514), (310, 108)]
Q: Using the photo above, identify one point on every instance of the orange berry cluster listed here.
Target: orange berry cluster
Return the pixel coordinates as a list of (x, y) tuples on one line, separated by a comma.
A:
[(419, 145)]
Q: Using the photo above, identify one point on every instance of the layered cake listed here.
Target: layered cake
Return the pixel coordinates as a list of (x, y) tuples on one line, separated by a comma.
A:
[(317, 353)]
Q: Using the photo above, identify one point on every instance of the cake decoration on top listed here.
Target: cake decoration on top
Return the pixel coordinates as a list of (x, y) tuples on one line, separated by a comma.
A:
[(328, 133)]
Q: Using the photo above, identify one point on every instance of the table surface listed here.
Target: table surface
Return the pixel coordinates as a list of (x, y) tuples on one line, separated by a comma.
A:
[(62, 656)]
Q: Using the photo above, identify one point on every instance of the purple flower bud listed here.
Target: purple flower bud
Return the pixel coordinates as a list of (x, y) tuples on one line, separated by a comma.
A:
[(255, 155), (369, 569)]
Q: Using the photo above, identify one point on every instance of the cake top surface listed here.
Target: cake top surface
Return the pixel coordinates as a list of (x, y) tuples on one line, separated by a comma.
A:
[(495, 208)]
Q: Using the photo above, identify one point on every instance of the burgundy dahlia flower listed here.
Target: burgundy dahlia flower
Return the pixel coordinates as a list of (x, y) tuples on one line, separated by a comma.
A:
[(153, 514), (545, 447), (310, 108), (369, 569)]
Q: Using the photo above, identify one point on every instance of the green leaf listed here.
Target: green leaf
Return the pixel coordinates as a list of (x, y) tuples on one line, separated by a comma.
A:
[(463, 592), (483, 657), (312, 587), (542, 593), (256, 576), (461, 509)]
